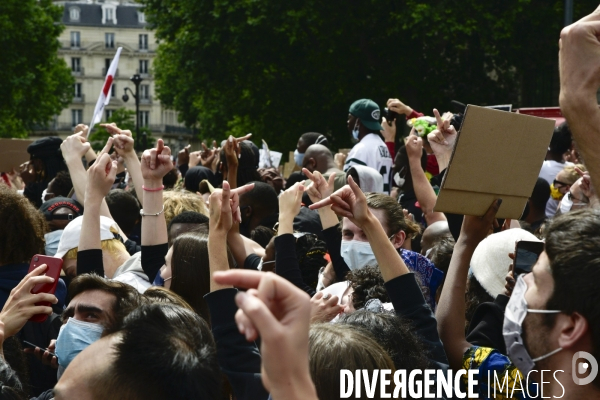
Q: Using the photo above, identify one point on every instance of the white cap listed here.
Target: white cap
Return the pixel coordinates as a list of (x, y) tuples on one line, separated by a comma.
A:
[(70, 236), (490, 260)]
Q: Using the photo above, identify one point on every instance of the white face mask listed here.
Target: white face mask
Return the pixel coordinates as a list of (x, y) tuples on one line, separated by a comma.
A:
[(298, 158), (44, 195), (355, 131), (357, 254), (515, 313)]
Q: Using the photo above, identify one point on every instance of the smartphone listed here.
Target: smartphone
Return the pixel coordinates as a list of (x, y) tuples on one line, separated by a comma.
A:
[(526, 255), (40, 347), (54, 267)]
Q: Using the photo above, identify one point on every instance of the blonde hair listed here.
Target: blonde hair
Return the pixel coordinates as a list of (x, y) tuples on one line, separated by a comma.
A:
[(113, 247), (176, 202), (571, 174)]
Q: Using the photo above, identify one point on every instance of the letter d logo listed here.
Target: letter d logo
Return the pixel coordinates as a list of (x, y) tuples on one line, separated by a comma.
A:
[(583, 367)]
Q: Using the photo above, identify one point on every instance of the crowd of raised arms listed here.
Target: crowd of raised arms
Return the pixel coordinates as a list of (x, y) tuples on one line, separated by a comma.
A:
[(199, 275)]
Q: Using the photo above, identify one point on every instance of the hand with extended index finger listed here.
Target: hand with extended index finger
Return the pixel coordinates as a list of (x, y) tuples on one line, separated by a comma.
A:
[(21, 304), (280, 313), (349, 202), (101, 177), (414, 145), (320, 187), (221, 215)]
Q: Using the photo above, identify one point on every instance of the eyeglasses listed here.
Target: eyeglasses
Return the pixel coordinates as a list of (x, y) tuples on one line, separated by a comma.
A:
[(558, 184), (576, 201)]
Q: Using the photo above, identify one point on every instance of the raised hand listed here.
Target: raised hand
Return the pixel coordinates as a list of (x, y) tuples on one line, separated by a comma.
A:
[(208, 156), (183, 157), (320, 187), (83, 129), (414, 145), (349, 202), (398, 107), (442, 139), (157, 162), (122, 139), (220, 207), (101, 175), (195, 159), (21, 304), (280, 313), (474, 229), (74, 147), (290, 202)]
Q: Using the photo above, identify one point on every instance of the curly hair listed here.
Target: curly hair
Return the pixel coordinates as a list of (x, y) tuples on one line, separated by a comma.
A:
[(27, 227), (367, 284), (262, 235), (176, 202), (474, 296), (311, 251)]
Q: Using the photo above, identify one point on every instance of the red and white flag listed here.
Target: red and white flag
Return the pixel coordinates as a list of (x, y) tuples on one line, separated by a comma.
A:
[(104, 97)]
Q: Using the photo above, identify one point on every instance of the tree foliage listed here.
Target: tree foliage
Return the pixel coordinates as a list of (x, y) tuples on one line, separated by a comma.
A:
[(278, 69), (125, 119), (35, 83)]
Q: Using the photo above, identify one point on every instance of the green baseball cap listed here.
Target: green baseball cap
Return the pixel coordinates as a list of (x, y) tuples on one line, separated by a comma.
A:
[(368, 112)]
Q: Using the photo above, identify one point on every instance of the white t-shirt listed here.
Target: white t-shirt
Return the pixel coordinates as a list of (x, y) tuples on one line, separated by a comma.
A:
[(372, 152), (134, 280), (551, 168)]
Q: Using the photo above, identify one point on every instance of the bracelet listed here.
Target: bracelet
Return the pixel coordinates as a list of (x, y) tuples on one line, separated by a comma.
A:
[(152, 215), (158, 189)]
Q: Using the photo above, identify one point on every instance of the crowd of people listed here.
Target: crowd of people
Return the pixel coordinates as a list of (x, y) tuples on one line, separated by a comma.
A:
[(199, 275)]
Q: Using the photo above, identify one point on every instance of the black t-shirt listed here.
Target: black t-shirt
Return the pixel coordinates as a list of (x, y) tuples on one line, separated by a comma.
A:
[(485, 329)]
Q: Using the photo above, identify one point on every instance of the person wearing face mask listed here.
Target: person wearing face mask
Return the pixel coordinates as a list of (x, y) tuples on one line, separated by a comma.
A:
[(370, 149), (306, 140), (560, 186), (552, 314), (59, 212), (319, 158)]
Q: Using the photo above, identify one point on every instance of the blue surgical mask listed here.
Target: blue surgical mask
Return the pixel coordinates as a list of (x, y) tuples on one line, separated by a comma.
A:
[(52, 240), (159, 280), (298, 157), (357, 254), (73, 338)]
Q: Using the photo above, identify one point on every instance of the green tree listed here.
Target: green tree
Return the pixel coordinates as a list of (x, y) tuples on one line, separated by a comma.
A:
[(125, 119), (278, 69), (35, 83)]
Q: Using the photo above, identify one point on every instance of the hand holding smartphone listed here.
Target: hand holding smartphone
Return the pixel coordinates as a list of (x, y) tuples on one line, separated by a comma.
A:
[(526, 255), (54, 267)]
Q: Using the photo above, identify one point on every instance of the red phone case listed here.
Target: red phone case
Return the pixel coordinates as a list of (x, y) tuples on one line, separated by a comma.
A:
[(54, 267)]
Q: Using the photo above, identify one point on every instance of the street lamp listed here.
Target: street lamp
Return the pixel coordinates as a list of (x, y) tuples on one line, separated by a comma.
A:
[(136, 79)]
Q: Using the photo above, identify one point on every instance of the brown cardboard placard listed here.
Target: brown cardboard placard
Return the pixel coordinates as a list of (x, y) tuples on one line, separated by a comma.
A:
[(497, 155), (13, 152)]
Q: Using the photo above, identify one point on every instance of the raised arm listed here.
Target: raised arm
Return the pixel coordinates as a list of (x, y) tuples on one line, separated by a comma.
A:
[(442, 140), (423, 190), (579, 82), (451, 308), (123, 144)]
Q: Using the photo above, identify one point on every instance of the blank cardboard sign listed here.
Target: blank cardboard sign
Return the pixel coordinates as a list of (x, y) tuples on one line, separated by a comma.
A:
[(13, 152), (497, 155)]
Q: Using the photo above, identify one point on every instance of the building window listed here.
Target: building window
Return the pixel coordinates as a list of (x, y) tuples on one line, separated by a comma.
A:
[(77, 93), (144, 92), (74, 14), (143, 66), (144, 118), (75, 39), (76, 64), (109, 14), (141, 17), (144, 42), (109, 114), (76, 117), (109, 40), (113, 90)]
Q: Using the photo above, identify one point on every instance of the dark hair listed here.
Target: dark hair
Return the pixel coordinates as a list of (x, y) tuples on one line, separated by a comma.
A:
[(124, 208), (162, 295), (310, 138), (248, 164), (189, 217), (294, 178), (170, 179), (561, 139), (310, 251), (127, 298), (573, 249), (541, 194), (395, 335), (27, 228), (441, 253), (262, 235), (262, 198), (166, 352), (475, 295), (62, 184), (394, 215), (334, 347), (195, 175), (368, 284)]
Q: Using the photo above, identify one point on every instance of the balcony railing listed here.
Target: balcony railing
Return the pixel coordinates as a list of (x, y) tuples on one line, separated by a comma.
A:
[(79, 99), (79, 72)]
